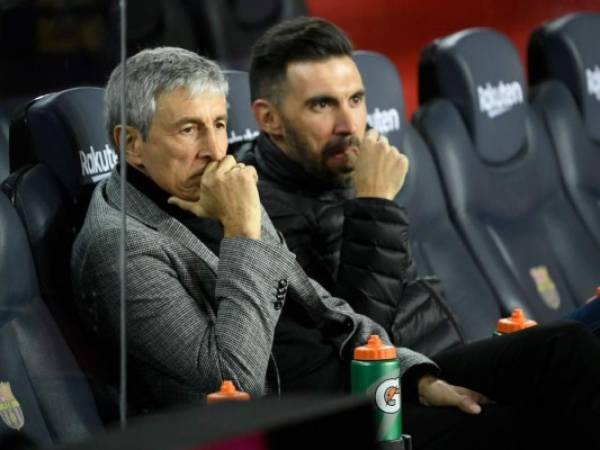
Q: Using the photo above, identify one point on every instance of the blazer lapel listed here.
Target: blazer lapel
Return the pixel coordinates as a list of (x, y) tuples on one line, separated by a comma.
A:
[(144, 210)]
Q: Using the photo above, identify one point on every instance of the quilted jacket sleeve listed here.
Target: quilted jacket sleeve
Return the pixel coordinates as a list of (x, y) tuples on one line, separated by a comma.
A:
[(375, 264)]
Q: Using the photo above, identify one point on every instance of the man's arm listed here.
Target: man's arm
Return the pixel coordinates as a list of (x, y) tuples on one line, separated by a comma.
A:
[(375, 261), (199, 331)]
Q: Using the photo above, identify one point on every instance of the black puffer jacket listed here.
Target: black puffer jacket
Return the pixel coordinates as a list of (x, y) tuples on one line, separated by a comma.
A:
[(357, 248)]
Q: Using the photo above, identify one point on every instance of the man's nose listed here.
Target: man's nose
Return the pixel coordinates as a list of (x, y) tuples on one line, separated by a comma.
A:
[(212, 146), (345, 121)]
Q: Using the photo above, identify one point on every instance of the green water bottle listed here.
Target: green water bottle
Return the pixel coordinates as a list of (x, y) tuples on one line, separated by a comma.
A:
[(375, 370)]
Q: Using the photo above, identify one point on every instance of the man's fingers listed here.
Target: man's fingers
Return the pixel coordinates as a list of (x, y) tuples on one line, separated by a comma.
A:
[(468, 405), (226, 164), (192, 207), (476, 396)]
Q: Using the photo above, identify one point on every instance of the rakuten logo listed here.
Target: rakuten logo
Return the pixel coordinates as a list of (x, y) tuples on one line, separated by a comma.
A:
[(496, 100), (97, 164), (384, 121), (247, 136), (593, 81)]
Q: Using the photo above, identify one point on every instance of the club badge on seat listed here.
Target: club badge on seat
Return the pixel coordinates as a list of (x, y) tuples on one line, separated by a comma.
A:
[(10, 409), (545, 286)]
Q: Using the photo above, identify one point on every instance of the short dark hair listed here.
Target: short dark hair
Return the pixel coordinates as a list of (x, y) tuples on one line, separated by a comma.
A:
[(296, 40)]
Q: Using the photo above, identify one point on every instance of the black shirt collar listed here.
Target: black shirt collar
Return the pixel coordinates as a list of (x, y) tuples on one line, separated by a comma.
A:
[(154, 192)]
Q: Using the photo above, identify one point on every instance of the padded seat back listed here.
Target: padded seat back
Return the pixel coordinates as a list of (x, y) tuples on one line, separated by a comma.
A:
[(43, 393), (501, 176), (436, 245), (564, 63), (240, 121), (66, 132)]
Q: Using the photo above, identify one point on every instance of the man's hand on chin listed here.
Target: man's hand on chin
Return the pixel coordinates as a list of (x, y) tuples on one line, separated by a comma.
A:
[(228, 193), (379, 168)]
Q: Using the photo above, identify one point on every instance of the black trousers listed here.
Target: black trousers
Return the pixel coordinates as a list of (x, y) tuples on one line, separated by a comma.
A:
[(545, 382)]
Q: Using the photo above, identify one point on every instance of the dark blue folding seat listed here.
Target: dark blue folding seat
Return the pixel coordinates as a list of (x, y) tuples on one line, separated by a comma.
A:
[(43, 393), (501, 176), (241, 126), (437, 248), (564, 66), (60, 150)]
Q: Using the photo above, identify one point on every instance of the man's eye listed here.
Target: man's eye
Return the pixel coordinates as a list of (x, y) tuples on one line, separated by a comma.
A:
[(356, 99), (321, 104), (188, 129), (221, 125)]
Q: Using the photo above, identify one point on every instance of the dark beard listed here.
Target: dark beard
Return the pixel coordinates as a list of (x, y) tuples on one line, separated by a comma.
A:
[(318, 167)]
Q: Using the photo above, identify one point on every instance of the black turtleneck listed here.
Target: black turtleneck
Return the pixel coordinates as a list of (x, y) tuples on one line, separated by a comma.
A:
[(209, 231), (305, 360)]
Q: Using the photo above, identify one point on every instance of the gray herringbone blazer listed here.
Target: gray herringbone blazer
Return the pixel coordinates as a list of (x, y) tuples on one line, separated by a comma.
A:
[(195, 318)]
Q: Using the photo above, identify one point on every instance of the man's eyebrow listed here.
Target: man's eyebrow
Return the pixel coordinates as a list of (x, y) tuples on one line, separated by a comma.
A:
[(320, 98), (195, 119)]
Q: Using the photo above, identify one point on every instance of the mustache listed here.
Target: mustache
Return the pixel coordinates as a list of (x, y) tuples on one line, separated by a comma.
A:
[(339, 145)]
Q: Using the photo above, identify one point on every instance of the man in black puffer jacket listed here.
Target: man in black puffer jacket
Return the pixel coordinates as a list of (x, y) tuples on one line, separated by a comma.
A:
[(335, 208)]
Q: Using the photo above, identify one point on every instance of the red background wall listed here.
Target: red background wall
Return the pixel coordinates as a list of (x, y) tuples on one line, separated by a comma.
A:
[(401, 29)]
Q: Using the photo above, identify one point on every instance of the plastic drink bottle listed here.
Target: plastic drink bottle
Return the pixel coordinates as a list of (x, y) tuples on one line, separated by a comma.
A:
[(375, 370), (517, 321), (227, 393)]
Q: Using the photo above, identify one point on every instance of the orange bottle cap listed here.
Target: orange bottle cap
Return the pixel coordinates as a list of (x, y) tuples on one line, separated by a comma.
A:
[(517, 321), (375, 349), (228, 392)]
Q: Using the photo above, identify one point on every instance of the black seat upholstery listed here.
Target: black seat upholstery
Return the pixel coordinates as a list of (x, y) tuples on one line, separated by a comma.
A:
[(436, 246), (564, 63), (61, 149), (241, 125), (228, 29), (42, 389), (501, 177), (4, 126)]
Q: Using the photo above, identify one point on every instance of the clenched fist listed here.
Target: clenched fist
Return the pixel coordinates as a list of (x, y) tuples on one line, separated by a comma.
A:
[(379, 168), (228, 193)]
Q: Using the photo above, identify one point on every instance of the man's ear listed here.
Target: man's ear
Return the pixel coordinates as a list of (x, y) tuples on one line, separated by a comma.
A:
[(133, 144), (267, 117)]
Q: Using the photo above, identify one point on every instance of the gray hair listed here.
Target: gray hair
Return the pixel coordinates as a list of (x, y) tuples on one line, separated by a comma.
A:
[(152, 72)]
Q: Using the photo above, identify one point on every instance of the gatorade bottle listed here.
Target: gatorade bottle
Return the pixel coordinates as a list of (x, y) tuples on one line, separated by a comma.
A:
[(375, 370), (227, 393), (517, 321)]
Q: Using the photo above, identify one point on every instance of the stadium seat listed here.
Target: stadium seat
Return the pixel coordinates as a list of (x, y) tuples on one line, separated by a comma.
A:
[(43, 393), (61, 150), (241, 126), (65, 131), (227, 30), (564, 67), (501, 176), (436, 245)]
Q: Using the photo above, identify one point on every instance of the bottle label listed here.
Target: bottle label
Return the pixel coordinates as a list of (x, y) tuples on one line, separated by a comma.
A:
[(387, 396)]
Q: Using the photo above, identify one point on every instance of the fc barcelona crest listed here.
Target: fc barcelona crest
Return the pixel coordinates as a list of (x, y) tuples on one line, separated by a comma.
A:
[(10, 409), (545, 286)]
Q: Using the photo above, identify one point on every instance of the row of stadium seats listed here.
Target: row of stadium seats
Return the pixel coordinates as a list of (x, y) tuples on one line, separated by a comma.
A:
[(501, 196)]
